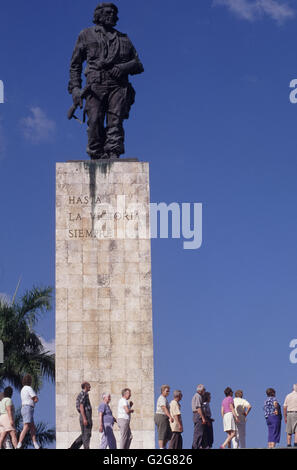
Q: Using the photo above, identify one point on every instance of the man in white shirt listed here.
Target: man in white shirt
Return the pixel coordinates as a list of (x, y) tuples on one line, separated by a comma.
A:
[(290, 415), (242, 409), (124, 415)]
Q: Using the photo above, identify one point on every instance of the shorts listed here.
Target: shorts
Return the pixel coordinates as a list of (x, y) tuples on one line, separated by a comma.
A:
[(5, 425), (27, 414), (291, 427), (163, 427), (228, 421)]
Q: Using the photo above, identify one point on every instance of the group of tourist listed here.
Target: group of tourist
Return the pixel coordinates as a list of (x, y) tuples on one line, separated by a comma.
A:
[(168, 419), (106, 420), (8, 435), (234, 412)]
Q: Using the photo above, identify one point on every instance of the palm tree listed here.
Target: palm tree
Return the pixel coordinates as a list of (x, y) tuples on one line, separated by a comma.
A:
[(24, 352)]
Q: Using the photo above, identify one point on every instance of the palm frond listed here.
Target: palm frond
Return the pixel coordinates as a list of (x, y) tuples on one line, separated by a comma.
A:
[(47, 365), (33, 303), (16, 290), (24, 352)]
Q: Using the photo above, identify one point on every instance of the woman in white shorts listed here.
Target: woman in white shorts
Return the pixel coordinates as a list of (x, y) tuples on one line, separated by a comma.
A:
[(229, 417)]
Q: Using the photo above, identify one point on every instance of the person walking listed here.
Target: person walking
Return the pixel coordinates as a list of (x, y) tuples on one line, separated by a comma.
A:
[(290, 415), (106, 422), (176, 441), (84, 409), (163, 417), (242, 409), (7, 441), (273, 416), (229, 417), (207, 439), (29, 400), (198, 417), (124, 416), (7, 425)]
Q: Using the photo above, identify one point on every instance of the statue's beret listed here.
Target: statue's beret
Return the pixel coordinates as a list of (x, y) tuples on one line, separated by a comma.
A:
[(105, 4)]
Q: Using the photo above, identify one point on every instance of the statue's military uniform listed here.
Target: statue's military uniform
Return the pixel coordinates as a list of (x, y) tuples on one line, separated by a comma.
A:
[(107, 97)]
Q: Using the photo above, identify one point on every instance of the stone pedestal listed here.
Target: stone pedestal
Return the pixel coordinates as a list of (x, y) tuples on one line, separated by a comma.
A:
[(103, 294)]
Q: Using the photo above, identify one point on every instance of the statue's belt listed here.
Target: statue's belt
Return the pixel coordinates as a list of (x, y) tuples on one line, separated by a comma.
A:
[(102, 77)]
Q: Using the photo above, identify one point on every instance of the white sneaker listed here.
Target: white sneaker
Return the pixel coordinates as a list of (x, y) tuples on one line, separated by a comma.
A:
[(36, 446), (19, 446)]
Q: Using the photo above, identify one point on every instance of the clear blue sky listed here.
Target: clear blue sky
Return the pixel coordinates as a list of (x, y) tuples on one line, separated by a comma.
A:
[(213, 118)]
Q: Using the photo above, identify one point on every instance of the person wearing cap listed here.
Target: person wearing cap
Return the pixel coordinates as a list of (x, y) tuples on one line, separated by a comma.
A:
[(198, 417), (290, 415), (229, 417), (242, 409)]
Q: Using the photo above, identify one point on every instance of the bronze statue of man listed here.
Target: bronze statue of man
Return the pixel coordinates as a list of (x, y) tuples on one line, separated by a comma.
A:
[(111, 58)]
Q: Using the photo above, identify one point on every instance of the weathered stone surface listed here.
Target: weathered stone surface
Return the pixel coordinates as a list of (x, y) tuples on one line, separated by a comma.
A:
[(103, 293)]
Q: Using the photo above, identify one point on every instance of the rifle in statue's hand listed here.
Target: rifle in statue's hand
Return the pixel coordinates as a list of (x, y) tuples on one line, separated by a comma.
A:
[(83, 94)]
